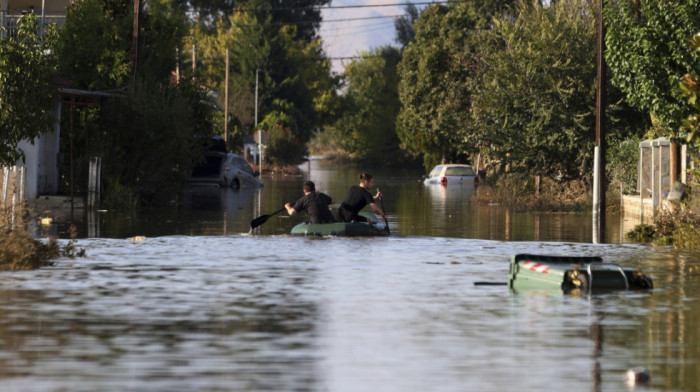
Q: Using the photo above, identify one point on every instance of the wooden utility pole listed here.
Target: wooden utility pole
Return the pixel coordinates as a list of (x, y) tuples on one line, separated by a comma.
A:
[(226, 101), (194, 59), (599, 179), (135, 40)]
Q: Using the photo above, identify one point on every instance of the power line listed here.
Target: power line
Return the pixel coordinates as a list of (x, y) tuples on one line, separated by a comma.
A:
[(330, 7), (320, 21)]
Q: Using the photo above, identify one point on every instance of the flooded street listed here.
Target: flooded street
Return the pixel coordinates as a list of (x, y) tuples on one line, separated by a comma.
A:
[(201, 304)]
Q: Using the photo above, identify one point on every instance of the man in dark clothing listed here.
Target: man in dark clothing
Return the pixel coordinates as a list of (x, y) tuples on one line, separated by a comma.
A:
[(357, 198), (314, 203)]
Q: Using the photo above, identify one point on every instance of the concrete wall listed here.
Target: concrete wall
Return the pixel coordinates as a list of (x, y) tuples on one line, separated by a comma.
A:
[(637, 210), (41, 161)]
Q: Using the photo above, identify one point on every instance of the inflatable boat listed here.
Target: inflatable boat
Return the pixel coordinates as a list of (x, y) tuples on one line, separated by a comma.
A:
[(373, 227)]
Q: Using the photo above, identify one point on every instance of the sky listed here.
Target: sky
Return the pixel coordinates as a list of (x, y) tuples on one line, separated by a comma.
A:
[(349, 38)]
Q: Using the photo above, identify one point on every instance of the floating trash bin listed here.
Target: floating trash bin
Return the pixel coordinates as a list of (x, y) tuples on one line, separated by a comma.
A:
[(584, 273)]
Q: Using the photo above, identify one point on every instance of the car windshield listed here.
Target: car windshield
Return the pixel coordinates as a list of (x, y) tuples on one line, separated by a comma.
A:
[(436, 171), (459, 171), (242, 164)]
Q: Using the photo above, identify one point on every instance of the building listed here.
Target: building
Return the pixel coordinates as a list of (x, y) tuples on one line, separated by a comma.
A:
[(41, 154), (49, 11)]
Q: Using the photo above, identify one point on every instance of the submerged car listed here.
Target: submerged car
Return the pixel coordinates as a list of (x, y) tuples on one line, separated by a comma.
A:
[(223, 169), (238, 173), (449, 174)]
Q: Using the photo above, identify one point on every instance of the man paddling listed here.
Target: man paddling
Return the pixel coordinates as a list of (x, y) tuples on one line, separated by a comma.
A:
[(314, 203), (357, 198)]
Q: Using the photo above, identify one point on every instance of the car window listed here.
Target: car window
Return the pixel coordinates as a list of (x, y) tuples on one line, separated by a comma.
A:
[(242, 164), (459, 171), (436, 171)]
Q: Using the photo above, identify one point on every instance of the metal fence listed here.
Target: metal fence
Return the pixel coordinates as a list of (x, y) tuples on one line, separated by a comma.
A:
[(9, 21)]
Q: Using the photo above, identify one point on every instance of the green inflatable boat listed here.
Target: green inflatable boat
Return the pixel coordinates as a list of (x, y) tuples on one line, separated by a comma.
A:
[(374, 227)]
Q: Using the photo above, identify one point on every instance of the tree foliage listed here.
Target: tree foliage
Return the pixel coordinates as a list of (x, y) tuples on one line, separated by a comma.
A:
[(404, 25), (367, 126), (283, 145), (439, 71), (647, 53), (146, 133), (94, 45), (288, 69), (537, 105), (27, 66), (148, 139), (689, 91), (305, 15)]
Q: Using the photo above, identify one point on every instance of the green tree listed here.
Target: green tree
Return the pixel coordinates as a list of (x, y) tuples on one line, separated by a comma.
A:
[(146, 133), (288, 69), (148, 140), (647, 54), (304, 14), (439, 71), (163, 30), (283, 146), (94, 45), (27, 66), (689, 90), (367, 125), (404, 25), (537, 105)]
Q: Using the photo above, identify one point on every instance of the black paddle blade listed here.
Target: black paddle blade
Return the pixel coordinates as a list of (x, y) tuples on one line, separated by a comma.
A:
[(259, 221), (263, 218)]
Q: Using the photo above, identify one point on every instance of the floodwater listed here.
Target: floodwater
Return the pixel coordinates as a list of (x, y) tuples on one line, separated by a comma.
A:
[(197, 303)]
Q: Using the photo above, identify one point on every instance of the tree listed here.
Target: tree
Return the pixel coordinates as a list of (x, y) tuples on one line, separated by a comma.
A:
[(689, 91), (439, 72), (304, 14), (94, 45), (149, 140), (147, 133), (283, 146), (164, 28), (404, 25), (367, 125), (27, 66), (647, 54), (537, 105), (288, 69)]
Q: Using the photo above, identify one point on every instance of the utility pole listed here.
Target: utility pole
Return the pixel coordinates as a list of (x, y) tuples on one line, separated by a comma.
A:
[(226, 102), (599, 177), (194, 59), (135, 40), (260, 141)]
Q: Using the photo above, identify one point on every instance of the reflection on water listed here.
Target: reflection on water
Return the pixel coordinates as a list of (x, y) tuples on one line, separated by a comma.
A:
[(414, 209), (201, 305)]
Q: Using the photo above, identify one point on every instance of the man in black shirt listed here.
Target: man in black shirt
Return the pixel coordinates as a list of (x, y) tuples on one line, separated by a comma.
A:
[(314, 203), (357, 198)]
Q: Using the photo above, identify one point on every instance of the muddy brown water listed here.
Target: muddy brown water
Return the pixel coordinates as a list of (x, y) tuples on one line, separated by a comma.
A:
[(197, 303)]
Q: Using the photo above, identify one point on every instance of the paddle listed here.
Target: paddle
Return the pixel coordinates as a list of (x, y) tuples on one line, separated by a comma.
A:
[(381, 203), (263, 218)]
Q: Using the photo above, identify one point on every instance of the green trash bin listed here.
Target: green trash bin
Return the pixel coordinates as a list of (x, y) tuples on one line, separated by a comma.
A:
[(566, 273)]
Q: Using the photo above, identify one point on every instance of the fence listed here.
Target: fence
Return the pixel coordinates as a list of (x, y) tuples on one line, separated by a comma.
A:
[(10, 21), (12, 193)]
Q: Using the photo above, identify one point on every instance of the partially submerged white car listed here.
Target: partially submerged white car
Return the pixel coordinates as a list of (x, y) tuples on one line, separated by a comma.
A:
[(450, 174), (221, 169)]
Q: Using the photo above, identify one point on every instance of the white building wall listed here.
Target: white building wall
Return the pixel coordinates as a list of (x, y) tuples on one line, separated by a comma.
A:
[(41, 161)]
